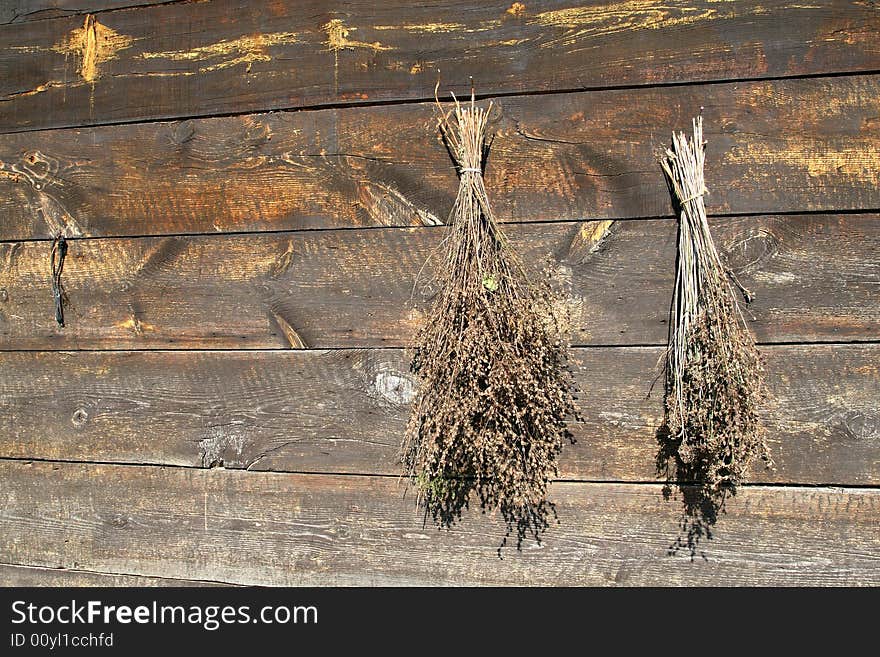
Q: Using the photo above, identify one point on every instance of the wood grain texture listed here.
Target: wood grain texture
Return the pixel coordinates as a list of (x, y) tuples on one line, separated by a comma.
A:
[(560, 157), (194, 59), (345, 411), (266, 528), (20, 11), (18, 576), (814, 277)]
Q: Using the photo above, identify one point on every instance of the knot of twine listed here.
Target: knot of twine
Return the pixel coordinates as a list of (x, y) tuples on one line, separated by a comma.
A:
[(694, 197), (471, 169)]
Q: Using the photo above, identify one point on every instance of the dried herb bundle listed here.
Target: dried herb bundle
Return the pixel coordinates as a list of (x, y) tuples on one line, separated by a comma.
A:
[(714, 374), (496, 388)]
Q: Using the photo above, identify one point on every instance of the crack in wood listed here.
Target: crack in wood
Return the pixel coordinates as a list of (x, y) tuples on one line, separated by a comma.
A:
[(39, 89)]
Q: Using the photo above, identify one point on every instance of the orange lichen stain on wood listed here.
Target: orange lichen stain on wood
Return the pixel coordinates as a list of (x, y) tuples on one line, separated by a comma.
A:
[(228, 52), (427, 28), (858, 160), (862, 163), (339, 38), (627, 16), (594, 232), (442, 28), (588, 240), (135, 325), (94, 44), (517, 9)]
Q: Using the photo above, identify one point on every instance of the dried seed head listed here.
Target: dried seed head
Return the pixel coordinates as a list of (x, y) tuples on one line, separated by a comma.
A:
[(489, 419), (714, 374)]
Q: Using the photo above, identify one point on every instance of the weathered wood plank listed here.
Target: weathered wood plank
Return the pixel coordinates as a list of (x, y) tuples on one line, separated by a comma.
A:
[(567, 156), (815, 279), (11, 575), (345, 411), (266, 528), (19, 11), (193, 59)]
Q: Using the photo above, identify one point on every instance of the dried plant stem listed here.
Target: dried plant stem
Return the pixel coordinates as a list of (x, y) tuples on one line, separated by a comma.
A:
[(714, 374), (489, 418)]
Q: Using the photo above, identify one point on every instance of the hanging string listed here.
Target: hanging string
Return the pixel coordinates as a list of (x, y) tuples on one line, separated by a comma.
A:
[(59, 252)]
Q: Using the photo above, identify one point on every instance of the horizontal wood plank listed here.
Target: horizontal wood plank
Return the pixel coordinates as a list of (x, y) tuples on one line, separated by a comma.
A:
[(814, 277), (560, 157), (20, 11), (18, 576), (266, 528), (193, 59), (345, 411)]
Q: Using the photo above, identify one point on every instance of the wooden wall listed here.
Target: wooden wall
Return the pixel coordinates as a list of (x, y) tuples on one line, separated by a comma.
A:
[(253, 187)]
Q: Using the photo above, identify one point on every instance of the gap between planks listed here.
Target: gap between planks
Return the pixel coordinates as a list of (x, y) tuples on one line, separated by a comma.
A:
[(402, 347), (170, 581), (424, 99), (372, 475), (544, 222)]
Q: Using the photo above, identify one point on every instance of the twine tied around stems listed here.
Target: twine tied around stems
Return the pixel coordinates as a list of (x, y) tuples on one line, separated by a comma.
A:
[(694, 197)]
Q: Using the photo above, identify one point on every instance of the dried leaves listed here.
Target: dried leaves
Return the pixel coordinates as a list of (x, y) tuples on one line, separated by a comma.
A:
[(714, 374), (489, 419)]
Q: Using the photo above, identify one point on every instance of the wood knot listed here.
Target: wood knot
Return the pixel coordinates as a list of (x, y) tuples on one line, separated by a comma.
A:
[(38, 169), (80, 417), (117, 521), (282, 263), (256, 133), (859, 426), (747, 252), (427, 290), (182, 132), (394, 386), (223, 445), (294, 339)]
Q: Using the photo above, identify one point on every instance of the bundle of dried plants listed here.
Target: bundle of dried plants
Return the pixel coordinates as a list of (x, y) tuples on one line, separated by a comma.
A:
[(490, 416), (714, 373)]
